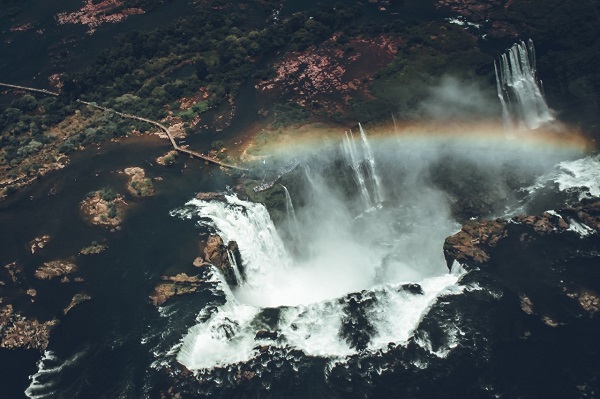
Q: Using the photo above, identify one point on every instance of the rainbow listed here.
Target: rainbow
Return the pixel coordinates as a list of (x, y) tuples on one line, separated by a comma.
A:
[(557, 140)]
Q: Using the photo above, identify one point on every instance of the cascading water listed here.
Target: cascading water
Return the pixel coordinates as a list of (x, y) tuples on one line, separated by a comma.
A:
[(519, 90), (235, 267), (291, 215), (377, 190), (364, 168), (351, 150), (306, 303)]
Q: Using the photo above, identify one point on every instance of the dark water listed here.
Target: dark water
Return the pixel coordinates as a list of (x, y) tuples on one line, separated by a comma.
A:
[(104, 347), (107, 330)]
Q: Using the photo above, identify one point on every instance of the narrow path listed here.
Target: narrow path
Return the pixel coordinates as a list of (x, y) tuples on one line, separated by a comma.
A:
[(176, 147)]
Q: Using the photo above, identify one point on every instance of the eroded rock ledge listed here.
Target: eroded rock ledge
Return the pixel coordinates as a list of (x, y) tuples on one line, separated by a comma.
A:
[(172, 286), (223, 257), (547, 264), (473, 244)]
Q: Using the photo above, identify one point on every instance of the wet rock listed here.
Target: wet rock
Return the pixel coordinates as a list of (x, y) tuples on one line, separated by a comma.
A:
[(38, 243), (77, 299), (18, 331), (471, 243), (471, 246), (171, 286), (139, 185), (15, 272), (210, 196), (265, 334), (93, 249), (168, 159), (224, 258), (55, 268), (549, 260), (412, 288), (104, 208)]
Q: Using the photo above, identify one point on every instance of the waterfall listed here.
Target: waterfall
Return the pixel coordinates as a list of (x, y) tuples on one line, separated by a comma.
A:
[(309, 177), (351, 150), (519, 90), (364, 168), (291, 214), (377, 192), (235, 267)]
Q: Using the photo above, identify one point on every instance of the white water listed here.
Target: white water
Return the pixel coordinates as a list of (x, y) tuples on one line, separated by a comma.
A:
[(581, 176), (351, 154), (364, 168), (49, 366), (519, 90), (345, 258), (235, 267), (372, 168), (291, 215)]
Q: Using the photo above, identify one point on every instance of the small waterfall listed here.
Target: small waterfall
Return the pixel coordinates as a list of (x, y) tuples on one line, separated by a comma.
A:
[(309, 178), (235, 267), (291, 214), (519, 89), (351, 155), (364, 167), (377, 192)]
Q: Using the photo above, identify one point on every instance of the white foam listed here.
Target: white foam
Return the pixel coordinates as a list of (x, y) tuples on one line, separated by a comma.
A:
[(308, 288), (581, 176), (221, 340), (398, 312), (49, 367), (580, 228)]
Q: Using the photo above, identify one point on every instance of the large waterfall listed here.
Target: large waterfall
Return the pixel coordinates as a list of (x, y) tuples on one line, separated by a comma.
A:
[(519, 90), (355, 281), (344, 259)]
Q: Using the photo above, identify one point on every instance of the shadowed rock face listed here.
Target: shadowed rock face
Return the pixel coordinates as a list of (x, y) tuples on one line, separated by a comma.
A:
[(548, 261), (172, 286), (474, 245), (221, 256)]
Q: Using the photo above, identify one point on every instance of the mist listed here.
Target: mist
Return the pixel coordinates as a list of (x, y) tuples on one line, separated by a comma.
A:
[(348, 256), (454, 98)]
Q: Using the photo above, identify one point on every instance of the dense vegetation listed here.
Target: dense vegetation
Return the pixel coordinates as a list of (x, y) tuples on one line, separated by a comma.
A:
[(210, 55)]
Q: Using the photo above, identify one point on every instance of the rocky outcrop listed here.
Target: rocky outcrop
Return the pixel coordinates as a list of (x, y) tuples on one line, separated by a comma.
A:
[(223, 257), (168, 159), (55, 268), (171, 286), (473, 245), (139, 185), (18, 331), (549, 261), (39, 243), (210, 196), (470, 245), (15, 271), (104, 208), (93, 249), (77, 299)]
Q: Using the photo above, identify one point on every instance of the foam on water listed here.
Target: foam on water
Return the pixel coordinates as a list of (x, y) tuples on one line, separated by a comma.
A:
[(309, 293), (344, 293), (581, 176), (49, 368)]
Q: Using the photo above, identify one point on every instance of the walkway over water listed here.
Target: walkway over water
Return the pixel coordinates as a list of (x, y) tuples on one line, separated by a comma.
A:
[(176, 147)]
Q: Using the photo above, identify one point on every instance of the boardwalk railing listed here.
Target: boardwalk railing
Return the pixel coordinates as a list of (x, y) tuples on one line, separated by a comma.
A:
[(176, 147)]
